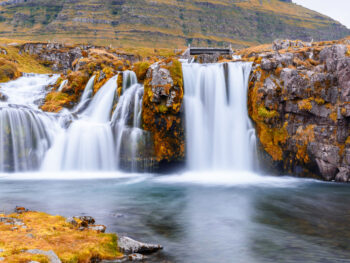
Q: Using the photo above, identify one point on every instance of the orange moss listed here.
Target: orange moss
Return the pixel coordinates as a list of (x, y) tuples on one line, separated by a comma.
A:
[(303, 138), (46, 232), (305, 104), (140, 68), (8, 70), (271, 138), (165, 123), (334, 116), (55, 101)]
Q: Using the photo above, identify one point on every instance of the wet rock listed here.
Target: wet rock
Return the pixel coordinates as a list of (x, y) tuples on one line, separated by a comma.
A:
[(3, 97), (72, 221), (128, 245), (326, 152), (87, 219), (50, 254), (136, 257), (98, 228), (328, 170), (20, 210), (343, 175)]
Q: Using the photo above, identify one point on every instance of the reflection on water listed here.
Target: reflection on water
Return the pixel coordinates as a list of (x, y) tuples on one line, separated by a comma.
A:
[(290, 221)]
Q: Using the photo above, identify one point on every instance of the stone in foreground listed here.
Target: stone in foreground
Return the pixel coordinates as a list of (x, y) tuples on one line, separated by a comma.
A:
[(129, 245)]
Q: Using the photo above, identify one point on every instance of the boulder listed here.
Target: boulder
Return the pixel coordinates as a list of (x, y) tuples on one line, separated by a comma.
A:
[(327, 170), (129, 246), (343, 175), (331, 56)]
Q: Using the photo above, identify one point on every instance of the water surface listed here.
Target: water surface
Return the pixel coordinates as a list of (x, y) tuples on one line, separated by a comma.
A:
[(238, 218)]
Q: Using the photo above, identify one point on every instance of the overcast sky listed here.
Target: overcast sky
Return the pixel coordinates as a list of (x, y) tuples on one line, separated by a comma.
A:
[(337, 9)]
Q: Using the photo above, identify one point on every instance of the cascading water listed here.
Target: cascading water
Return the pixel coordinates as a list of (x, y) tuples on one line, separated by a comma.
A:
[(86, 96), (129, 79), (219, 132), (87, 145), (63, 84), (25, 132), (131, 140)]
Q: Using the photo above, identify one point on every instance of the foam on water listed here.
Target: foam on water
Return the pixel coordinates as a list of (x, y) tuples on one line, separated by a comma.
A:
[(230, 178)]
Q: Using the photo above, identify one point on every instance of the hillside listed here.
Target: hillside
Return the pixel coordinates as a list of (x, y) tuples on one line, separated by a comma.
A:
[(164, 23)]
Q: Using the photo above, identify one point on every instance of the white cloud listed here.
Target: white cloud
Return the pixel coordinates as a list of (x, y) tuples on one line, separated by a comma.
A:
[(336, 9)]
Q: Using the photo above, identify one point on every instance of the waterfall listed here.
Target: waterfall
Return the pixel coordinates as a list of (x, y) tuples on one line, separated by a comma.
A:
[(219, 132), (64, 83), (100, 107), (25, 132), (87, 145), (129, 79), (131, 141), (87, 94)]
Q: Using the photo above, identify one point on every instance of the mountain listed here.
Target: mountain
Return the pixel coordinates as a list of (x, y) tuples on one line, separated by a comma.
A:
[(164, 23)]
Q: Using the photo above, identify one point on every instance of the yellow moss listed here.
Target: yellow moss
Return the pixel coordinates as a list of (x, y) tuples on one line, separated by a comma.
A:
[(303, 137), (272, 139), (305, 104), (54, 233), (343, 111), (162, 108), (319, 101), (8, 70), (140, 68), (164, 122), (265, 113), (334, 116), (25, 62), (55, 101), (347, 140)]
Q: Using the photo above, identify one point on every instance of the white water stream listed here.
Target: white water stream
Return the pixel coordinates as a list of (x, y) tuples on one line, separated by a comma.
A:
[(95, 136), (219, 133)]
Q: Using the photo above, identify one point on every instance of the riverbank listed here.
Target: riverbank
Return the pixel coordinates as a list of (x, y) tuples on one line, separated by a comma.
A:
[(30, 236)]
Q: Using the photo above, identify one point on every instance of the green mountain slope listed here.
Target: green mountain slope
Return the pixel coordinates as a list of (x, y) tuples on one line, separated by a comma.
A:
[(164, 23)]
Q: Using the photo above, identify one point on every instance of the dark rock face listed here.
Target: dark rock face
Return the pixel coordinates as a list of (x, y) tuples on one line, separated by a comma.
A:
[(299, 99)]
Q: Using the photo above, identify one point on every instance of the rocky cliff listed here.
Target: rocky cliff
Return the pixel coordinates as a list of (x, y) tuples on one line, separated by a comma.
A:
[(164, 23), (299, 95)]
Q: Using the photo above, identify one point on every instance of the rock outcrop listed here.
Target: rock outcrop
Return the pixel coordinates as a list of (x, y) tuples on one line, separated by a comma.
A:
[(299, 95), (162, 114)]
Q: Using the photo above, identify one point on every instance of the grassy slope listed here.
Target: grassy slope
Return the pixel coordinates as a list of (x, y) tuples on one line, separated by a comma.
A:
[(165, 23)]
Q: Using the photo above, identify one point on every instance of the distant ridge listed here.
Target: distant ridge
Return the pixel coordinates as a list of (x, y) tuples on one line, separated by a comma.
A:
[(164, 23)]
